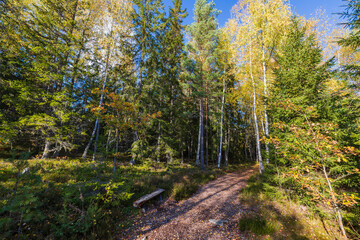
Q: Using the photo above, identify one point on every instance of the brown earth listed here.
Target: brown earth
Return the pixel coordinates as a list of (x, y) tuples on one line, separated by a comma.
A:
[(189, 219)]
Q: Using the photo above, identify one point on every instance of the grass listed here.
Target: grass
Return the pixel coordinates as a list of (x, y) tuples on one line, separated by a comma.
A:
[(258, 225), (83, 199), (273, 214)]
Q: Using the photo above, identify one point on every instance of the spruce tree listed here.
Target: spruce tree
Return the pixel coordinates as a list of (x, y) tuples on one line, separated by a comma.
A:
[(305, 140), (300, 75), (203, 32)]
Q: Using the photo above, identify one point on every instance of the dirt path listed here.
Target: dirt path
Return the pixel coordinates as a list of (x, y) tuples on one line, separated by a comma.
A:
[(189, 219)]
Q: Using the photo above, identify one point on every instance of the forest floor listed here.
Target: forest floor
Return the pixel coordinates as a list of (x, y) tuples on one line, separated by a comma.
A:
[(217, 201)]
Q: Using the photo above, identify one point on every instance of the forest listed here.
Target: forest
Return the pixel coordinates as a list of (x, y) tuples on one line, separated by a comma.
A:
[(104, 101)]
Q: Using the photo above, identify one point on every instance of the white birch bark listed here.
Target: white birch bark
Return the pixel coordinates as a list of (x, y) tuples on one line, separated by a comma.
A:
[(221, 125), (265, 92), (258, 148), (97, 122)]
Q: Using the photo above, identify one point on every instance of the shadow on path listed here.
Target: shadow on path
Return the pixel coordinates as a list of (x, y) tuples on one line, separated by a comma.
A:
[(189, 219)]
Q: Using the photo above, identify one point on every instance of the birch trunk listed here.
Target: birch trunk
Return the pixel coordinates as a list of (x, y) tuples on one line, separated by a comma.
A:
[(221, 124), (91, 139), (265, 89), (265, 108), (96, 140), (97, 122), (257, 137)]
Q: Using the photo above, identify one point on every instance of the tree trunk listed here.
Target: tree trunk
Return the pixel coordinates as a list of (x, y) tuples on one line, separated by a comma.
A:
[(108, 145), (189, 149), (97, 122), (227, 148), (116, 149), (207, 134), (221, 124), (265, 108), (96, 140), (132, 161), (199, 138), (201, 134), (158, 147), (183, 147), (245, 152), (91, 139), (251, 152), (46, 152), (257, 137)]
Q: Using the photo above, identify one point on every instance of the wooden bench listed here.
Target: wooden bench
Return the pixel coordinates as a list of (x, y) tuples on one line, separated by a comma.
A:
[(147, 197)]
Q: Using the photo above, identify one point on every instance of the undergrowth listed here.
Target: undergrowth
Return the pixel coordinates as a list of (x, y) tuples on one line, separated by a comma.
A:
[(83, 199), (279, 209)]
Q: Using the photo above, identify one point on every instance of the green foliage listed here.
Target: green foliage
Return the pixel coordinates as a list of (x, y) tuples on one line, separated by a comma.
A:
[(184, 190), (352, 15), (300, 75), (89, 201), (275, 210), (314, 154), (257, 224)]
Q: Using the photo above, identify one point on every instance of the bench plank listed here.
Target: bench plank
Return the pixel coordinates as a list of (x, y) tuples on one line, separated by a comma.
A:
[(147, 197)]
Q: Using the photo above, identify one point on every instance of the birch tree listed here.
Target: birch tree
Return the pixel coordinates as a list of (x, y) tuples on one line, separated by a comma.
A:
[(225, 66), (258, 28), (112, 25)]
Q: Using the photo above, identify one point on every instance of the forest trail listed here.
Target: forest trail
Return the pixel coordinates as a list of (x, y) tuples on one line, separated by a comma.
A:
[(189, 219)]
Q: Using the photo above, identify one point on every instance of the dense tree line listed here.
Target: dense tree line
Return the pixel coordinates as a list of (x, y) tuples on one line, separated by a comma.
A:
[(116, 79)]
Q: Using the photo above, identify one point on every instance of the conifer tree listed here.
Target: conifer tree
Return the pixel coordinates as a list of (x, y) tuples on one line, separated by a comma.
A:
[(299, 87), (203, 33), (48, 33), (352, 14), (170, 55)]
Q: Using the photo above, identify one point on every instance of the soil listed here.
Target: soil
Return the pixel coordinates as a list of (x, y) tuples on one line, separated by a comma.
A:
[(189, 219)]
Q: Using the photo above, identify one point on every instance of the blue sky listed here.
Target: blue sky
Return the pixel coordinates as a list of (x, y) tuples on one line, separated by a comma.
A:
[(302, 7)]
